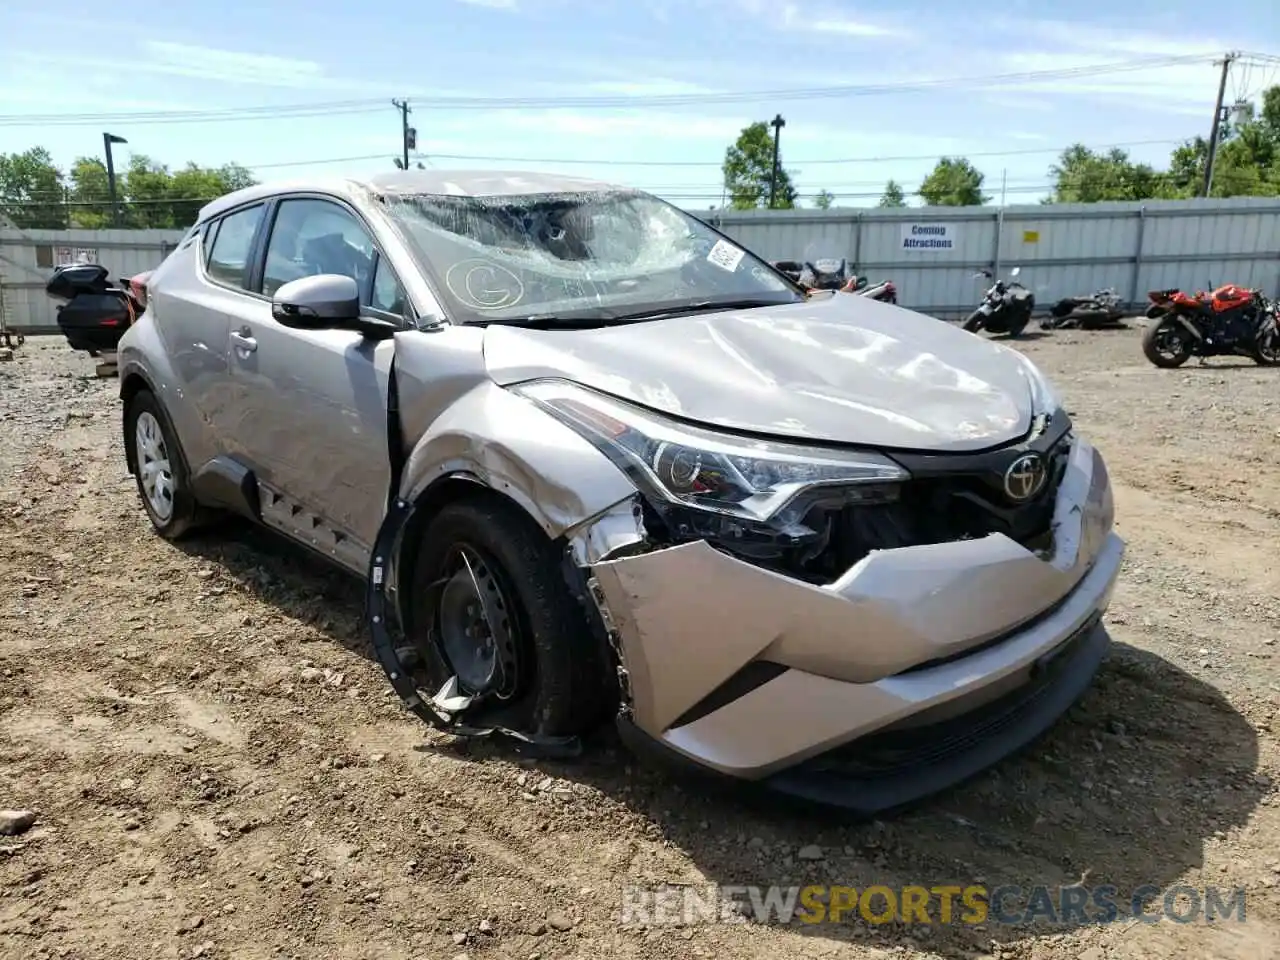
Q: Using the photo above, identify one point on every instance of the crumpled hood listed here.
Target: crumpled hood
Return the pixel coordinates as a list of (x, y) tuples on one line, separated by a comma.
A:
[(842, 369)]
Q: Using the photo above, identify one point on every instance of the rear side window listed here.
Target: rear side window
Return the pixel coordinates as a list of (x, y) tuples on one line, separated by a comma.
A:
[(231, 244)]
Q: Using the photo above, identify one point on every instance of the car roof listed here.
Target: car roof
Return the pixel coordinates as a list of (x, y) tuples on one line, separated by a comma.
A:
[(455, 183)]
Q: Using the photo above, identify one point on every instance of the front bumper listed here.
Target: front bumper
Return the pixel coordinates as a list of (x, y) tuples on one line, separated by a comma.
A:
[(759, 677)]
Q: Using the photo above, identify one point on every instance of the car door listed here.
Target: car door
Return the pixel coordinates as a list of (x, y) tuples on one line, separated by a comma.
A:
[(198, 291), (314, 421)]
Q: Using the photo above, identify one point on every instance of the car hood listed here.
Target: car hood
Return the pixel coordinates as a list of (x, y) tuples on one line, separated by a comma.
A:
[(840, 369)]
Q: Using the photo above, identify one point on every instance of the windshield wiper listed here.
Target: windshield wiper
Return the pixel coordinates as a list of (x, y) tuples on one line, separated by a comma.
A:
[(547, 321), (702, 306)]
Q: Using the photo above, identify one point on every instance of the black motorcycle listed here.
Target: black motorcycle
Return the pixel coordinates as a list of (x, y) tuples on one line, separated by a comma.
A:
[(1230, 321), (1102, 309), (1006, 306), (95, 313)]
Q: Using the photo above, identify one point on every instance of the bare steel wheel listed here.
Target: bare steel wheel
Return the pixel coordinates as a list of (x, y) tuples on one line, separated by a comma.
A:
[(489, 609), (474, 627), (159, 467)]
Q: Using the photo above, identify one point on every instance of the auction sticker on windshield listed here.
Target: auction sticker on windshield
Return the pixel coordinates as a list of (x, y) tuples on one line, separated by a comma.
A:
[(725, 255)]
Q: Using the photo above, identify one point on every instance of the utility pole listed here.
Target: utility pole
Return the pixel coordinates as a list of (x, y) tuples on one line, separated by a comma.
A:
[(107, 140), (1217, 123), (408, 135), (777, 123)]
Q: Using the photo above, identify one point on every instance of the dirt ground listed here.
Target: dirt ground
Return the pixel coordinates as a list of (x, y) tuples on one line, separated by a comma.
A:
[(218, 768)]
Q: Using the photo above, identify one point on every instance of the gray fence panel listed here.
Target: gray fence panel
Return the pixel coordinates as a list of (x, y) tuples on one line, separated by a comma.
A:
[(1063, 249)]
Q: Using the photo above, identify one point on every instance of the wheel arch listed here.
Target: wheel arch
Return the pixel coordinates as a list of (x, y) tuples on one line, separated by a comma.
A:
[(132, 383)]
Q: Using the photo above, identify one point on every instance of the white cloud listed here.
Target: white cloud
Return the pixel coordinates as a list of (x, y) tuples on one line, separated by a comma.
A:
[(828, 21), (257, 68), (492, 4), (822, 20), (1184, 89)]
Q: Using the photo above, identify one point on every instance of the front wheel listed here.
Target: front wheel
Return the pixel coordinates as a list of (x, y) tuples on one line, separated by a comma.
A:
[(490, 607), (1167, 343), (1266, 349), (975, 321)]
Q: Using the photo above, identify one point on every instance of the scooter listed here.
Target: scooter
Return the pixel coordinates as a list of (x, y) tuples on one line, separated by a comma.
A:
[(1006, 306)]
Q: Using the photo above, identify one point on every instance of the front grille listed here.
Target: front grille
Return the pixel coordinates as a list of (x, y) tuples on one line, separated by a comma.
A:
[(949, 498)]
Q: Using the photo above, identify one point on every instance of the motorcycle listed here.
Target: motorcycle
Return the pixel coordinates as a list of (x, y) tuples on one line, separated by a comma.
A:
[(1101, 309), (95, 313), (1006, 306), (836, 274), (1228, 321), (886, 291)]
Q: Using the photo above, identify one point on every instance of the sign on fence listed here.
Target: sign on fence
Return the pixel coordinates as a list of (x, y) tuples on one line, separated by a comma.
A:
[(928, 236), (75, 255)]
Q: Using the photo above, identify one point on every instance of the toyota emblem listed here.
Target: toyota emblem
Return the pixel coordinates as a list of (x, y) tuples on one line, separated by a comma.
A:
[(1025, 477)]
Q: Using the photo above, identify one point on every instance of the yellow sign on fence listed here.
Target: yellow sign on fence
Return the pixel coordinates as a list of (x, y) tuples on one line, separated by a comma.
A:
[(1030, 236)]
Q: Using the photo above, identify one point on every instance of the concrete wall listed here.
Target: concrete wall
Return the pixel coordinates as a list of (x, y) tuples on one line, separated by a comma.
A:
[(1062, 249)]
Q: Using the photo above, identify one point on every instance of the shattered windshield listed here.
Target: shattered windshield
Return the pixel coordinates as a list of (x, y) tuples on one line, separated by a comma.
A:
[(596, 256)]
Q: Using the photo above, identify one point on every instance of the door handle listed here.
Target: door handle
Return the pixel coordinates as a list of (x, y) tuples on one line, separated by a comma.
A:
[(244, 342)]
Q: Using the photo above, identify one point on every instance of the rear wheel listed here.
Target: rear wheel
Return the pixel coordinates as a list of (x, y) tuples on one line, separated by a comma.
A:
[(1167, 343), (160, 469), (490, 607)]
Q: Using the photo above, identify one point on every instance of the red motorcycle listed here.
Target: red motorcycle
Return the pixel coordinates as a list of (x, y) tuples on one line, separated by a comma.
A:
[(1228, 321)]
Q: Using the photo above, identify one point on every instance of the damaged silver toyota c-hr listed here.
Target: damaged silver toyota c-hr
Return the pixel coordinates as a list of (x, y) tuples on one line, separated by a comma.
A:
[(593, 458)]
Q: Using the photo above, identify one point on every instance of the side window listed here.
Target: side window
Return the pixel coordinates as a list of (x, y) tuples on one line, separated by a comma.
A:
[(387, 295), (231, 245), (315, 236)]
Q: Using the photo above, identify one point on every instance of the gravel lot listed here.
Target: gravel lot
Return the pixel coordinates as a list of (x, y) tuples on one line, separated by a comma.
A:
[(218, 770)]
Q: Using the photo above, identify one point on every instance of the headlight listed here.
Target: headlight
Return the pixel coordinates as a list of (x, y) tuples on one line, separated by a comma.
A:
[(741, 477)]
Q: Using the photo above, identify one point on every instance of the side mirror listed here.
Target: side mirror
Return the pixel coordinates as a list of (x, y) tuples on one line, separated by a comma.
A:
[(1015, 271), (328, 301)]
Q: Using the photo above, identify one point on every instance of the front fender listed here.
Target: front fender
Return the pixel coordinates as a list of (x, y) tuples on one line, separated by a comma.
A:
[(508, 444)]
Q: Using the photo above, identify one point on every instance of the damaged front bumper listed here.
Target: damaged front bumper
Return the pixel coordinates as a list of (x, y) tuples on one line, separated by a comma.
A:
[(917, 668)]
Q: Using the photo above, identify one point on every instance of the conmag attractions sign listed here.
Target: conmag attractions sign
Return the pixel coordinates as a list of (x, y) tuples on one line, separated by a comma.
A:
[(928, 236)]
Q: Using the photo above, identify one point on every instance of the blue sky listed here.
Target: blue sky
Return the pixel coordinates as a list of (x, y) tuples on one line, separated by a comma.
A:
[(164, 55)]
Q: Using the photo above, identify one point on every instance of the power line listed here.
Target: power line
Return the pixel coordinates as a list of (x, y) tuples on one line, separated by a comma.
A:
[(606, 102), (795, 163)]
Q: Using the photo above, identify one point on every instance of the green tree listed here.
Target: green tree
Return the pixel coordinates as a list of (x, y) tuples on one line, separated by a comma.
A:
[(32, 190), (89, 194), (824, 200), (748, 166), (893, 195), (1083, 176), (954, 182), (1248, 160)]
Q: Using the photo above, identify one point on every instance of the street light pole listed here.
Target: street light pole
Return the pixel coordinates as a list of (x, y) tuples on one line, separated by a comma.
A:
[(777, 123), (107, 140)]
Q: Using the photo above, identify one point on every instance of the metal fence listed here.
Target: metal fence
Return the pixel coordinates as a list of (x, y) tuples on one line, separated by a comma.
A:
[(931, 253), (27, 258)]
